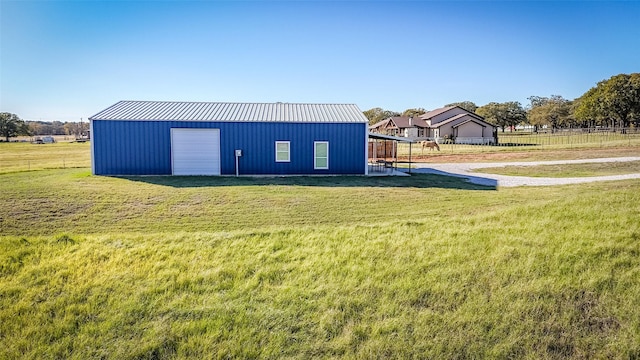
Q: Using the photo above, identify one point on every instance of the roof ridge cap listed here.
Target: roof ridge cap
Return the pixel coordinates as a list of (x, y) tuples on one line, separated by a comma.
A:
[(233, 102)]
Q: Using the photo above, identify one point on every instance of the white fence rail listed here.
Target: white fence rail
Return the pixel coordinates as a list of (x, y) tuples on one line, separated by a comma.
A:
[(475, 140), (460, 140)]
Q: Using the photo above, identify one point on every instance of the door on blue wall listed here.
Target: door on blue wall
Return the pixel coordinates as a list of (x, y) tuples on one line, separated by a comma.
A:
[(195, 151)]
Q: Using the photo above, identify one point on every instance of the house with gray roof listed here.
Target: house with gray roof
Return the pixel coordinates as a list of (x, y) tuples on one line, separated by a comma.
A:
[(452, 122), (403, 126)]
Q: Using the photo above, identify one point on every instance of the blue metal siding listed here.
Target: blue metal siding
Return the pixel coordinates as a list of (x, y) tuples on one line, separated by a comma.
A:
[(144, 147)]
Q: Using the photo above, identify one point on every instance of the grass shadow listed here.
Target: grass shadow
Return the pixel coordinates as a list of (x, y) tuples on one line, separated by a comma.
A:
[(471, 179), (414, 181)]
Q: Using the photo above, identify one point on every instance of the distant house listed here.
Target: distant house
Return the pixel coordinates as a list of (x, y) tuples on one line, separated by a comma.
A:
[(404, 126), (453, 122)]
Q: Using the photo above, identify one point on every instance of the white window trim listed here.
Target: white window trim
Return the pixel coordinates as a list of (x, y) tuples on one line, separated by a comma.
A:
[(315, 157), (288, 151)]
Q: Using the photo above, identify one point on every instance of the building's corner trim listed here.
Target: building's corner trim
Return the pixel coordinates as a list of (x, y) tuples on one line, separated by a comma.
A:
[(366, 149), (92, 142)]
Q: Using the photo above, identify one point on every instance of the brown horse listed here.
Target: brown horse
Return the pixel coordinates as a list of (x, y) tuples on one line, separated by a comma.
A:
[(430, 145)]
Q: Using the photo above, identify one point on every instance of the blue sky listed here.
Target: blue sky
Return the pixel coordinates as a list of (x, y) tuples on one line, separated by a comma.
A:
[(63, 60)]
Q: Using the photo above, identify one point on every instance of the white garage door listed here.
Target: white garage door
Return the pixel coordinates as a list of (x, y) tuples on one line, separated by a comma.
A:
[(195, 151)]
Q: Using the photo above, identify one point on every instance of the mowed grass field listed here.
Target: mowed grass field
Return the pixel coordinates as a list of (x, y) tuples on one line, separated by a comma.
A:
[(534, 147), (26, 156), (315, 267), (567, 170)]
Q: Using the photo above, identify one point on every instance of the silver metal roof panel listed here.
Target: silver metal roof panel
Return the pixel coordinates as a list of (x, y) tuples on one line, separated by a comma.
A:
[(220, 111)]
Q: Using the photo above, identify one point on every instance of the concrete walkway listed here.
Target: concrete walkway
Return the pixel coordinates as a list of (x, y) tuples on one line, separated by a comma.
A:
[(464, 170)]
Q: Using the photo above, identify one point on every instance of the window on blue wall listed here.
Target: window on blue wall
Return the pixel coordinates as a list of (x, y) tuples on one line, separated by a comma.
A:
[(282, 151), (320, 154)]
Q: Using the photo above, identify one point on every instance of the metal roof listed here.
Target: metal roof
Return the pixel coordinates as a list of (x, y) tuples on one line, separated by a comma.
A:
[(402, 122), (389, 137), (237, 112)]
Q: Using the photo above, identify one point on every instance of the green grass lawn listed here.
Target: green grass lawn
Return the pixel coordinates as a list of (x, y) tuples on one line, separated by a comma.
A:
[(520, 146), (315, 267), (569, 139), (27, 156), (567, 170)]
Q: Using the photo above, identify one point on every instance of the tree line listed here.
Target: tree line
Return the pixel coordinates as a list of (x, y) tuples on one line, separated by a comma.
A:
[(58, 127), (614, 102), (11, 126)]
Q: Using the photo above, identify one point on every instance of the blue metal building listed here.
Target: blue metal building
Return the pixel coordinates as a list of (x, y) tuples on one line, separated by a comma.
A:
[(202, 138)]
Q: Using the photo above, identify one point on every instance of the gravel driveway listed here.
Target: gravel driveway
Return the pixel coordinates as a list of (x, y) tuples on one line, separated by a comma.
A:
[(464, 170)]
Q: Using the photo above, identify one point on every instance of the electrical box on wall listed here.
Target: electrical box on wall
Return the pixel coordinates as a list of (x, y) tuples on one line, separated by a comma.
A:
[(238, 154)]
